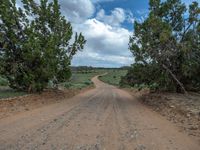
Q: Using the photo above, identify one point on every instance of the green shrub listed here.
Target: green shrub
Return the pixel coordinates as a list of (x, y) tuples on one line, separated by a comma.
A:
[(142, 76), (154, 86), (3, 82), (67, 85), (87, 82)]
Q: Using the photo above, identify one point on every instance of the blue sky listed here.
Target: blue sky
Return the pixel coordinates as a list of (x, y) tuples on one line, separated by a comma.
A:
[(107, 26), (138, 8)]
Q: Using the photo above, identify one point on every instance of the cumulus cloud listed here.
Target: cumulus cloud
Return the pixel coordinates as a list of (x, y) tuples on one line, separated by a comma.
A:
[(130, 18), (116, 17), (106, 45), (77, 10)]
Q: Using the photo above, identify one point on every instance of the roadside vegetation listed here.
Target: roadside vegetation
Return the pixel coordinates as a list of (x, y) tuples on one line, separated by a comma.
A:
[(166, 48), (9, 93), (80, 80), (113, 76), (81, 77), (36, 44), (6, 91), (3, 81)]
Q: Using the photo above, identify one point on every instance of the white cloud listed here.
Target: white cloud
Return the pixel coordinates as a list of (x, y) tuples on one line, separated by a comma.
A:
[(99, 1), (116, 17), (130, 18), (106, 45), (77, 10)]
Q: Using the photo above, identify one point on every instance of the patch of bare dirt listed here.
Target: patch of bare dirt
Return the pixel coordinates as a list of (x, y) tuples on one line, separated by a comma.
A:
[(182, 110), (10, 106)]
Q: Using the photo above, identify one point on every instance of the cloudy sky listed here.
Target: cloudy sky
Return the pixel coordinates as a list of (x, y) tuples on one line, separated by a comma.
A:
[(107, 26)]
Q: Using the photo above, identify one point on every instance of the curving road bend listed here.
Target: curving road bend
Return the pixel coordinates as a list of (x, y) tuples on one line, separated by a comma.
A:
[(104, 118)]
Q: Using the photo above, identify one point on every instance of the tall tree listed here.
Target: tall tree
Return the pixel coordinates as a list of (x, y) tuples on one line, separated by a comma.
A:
[(169, 37), (35, 44)]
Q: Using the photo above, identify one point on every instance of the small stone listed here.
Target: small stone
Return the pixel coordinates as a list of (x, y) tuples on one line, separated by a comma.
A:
[(132, 136), (172, 106), (188, 115)]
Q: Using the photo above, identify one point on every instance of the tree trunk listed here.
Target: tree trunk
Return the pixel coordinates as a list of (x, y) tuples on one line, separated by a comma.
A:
[(175, 78), (30, 89)]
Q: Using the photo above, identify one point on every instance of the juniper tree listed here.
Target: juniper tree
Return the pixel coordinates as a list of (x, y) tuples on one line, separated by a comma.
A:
[(36, 44), (169, 37)]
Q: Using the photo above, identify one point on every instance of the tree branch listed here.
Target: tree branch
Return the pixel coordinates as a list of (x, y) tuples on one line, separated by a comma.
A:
[(175, 78)]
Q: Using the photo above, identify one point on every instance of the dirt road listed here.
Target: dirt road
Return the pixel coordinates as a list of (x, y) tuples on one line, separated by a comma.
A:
[(105, 118)]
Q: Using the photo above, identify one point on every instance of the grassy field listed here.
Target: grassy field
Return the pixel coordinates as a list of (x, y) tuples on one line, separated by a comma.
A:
[(113, 76), (81, 80), (6, 92)]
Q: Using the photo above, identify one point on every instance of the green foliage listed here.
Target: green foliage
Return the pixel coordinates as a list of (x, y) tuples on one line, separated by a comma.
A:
[(67, 85), (9, 93), (113, 76), (80, 80), (151, 76), (87, 82), (3, 82), (35, 44), (84, 69), (167, 44)]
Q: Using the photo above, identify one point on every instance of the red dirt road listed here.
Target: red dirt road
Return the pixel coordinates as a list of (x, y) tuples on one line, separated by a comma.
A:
[(105, 118)]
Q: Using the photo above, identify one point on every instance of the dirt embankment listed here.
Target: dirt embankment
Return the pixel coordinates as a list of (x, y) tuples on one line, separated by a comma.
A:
[(182, 110), (25, 103)]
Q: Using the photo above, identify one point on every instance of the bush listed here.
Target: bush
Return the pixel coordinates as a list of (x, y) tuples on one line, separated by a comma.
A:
[(142, 76), (67, 85), (3, 82), (88, 83)]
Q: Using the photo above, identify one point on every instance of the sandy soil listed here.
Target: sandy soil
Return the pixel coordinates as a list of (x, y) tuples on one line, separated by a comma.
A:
[(182, 110), (104, 118)]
